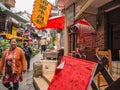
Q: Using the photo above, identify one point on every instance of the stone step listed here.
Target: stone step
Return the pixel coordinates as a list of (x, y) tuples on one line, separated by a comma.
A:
[(46, 71), (40, 83), (48, 76)]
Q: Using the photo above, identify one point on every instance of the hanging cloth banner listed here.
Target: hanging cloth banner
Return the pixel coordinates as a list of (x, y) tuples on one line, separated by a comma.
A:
[(41, 13)]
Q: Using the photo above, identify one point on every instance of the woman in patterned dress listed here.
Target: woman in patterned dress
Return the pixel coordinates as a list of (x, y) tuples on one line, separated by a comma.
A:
[(12, 65)]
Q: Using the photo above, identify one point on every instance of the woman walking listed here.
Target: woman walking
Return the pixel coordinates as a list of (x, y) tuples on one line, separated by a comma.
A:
[(12, 65)]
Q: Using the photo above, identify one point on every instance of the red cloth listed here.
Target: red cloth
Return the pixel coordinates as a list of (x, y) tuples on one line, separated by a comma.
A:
[(83, 22), (59, 21), (76, 75), (55, 22)]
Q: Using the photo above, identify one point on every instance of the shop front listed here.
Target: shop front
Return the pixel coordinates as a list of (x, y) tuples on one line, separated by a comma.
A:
[(103, 15), (108, 32)]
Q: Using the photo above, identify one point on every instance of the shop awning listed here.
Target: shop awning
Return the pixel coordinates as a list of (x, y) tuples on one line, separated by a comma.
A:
[(9, 36), (56, 22), (8, 12), (59, 21)]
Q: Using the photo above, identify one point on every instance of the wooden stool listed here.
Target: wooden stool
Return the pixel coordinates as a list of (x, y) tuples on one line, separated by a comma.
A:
[(109, 66)]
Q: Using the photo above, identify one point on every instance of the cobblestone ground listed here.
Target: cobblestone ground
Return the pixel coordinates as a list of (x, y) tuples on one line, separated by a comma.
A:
[(27, 83)]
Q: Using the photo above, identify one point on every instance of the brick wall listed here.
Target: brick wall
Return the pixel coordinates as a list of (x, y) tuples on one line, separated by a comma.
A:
[(88, 41), (100, 38)]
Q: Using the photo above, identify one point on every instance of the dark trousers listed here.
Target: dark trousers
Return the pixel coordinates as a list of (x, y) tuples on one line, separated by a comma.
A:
[(43, 48), (15, 85), (28, 62)]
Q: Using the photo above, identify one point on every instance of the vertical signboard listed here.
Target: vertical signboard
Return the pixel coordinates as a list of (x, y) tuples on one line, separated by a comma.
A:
[(41, 13)]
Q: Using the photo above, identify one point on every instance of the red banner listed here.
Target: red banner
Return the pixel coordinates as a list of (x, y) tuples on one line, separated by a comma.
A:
[(56, 22), (73, 74)]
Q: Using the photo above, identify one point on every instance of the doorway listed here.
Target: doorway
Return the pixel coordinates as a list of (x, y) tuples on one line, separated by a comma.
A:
[(113, 32)]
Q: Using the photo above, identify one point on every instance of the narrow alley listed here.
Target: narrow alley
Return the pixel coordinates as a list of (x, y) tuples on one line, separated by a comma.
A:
[(66, 44)]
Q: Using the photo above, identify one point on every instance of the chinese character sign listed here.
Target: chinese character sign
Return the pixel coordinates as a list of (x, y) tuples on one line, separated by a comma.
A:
[(41, 13)]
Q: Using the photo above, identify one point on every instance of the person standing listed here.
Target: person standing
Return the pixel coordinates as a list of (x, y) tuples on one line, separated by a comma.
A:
[(43, 43), (12, 65), (28, 52)]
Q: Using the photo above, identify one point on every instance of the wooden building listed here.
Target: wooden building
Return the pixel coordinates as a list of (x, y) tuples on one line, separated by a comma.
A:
[(8, 19), (103, 15), (8, 3), (108, 27)]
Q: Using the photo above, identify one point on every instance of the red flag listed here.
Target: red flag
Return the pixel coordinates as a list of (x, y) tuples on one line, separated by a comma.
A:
[(56, 22)]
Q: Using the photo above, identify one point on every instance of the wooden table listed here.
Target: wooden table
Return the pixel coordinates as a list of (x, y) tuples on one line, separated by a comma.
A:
[(50, 55)]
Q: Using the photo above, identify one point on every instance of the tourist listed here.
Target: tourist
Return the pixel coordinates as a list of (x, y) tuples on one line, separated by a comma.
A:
[(43, 43), (28, 53), (12, 65)]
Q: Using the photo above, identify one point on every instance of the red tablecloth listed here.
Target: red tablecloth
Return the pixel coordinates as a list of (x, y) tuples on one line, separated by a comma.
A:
[(76, 74)]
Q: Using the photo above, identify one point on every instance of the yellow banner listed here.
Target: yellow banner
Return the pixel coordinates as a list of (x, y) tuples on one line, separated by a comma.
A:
[(41, 13), (14, 31)]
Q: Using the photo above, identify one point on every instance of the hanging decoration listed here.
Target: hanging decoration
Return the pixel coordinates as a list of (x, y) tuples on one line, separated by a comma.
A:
[(41, 13)]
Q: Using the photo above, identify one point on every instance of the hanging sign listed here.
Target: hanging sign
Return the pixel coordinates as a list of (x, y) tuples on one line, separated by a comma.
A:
[(41, 13), (14, 31)]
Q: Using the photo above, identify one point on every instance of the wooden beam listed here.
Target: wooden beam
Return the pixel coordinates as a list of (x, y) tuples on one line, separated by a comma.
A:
[(87, 4)]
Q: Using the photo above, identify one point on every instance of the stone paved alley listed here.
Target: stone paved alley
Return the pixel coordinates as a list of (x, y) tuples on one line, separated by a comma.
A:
[(27, 83)]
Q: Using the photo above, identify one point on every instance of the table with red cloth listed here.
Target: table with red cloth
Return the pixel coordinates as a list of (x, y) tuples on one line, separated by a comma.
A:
[(75, 74)]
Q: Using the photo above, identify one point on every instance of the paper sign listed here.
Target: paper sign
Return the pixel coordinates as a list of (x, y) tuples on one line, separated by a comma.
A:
[(61, 66)]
